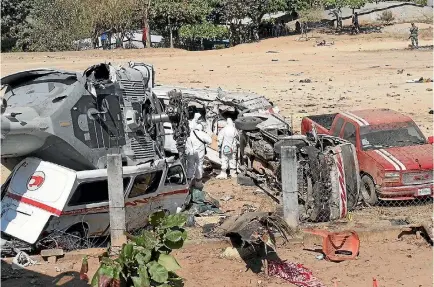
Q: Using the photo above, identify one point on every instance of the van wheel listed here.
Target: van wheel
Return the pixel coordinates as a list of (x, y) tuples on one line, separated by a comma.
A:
[(247, 123), (368, 190)]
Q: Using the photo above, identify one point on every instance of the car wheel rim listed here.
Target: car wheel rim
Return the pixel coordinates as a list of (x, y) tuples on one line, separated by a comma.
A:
[(366, 192)]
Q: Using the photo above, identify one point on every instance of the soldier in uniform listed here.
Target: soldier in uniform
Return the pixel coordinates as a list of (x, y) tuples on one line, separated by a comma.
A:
[(413, 36)]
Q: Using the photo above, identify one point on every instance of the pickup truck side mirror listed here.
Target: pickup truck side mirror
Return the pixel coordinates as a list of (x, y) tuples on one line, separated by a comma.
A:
[(431, 139)]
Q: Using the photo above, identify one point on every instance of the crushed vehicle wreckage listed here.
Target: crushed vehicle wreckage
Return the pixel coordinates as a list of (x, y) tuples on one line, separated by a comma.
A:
[(328, 171), (64, 124)]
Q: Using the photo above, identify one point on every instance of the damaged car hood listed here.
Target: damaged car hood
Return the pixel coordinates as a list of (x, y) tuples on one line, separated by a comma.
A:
[(404, 158)]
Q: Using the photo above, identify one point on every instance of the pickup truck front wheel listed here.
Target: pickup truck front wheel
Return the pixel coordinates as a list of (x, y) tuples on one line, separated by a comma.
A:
[(368, 190)]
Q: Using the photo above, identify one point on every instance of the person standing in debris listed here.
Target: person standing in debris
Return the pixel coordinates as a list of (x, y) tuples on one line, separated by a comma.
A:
[(192, 124), (414, 31), (196, 150), (227, 143)]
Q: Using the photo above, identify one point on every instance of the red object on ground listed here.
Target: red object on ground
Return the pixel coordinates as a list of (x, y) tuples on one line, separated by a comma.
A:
[(294, 273), (374, 282), (338, 246)]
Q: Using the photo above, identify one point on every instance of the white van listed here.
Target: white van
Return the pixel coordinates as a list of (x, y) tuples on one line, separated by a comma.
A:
[(40, 197)]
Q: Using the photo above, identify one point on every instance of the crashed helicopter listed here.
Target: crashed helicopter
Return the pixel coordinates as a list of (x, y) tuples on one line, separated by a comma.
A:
[(63, 125)]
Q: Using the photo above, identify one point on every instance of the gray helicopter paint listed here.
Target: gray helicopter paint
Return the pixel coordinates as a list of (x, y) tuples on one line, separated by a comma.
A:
[(51, 114)]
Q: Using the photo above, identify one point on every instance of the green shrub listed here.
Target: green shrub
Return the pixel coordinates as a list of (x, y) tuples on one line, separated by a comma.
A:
[(386, 17), (146, 260)]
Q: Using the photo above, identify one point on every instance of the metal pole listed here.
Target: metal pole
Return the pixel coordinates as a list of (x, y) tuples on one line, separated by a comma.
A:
[(288, 158), (116, 201)]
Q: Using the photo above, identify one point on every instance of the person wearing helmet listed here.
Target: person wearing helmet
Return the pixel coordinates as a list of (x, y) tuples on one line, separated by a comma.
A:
[(196, 150), (227, 143)]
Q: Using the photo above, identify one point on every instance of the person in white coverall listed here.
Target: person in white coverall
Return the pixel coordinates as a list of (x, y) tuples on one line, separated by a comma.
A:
[(227, 142), (192, 124), (196, 150)]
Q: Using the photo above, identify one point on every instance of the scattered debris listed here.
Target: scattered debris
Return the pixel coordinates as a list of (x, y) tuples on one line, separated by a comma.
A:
[(324, 43), (51, 254), (431, 112), (306, 81), (421, 231), (275, 60), (206, 220), (320, 257), (429, 89), (227, 198), (338, 246), (393, 95), (237, 253), (374, 67), (84, 269), (202, 203), (420, 80), (296, 74), (396, 222), (248, 208), (292, 60), (254, 228), (400, 71), (22, 260), (272, 52), (408, 74), (294, 273)]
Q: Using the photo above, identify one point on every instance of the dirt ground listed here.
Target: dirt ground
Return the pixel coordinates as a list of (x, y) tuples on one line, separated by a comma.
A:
[(392, 262), (356, 72)]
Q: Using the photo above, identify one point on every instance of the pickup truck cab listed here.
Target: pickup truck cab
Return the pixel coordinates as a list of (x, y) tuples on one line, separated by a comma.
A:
[(395, 158)]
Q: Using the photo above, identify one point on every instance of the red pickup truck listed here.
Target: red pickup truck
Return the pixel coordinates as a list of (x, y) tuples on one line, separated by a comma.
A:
[(395, 158)]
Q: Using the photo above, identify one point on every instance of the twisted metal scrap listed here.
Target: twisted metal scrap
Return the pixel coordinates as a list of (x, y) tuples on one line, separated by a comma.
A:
[(178, 107)]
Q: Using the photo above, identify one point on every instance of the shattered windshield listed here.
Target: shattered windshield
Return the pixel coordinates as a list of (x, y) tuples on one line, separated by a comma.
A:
[(377, 137)]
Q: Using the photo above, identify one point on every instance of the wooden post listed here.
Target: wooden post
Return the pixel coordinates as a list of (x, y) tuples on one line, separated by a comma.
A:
[(116, 201), (288, 158)]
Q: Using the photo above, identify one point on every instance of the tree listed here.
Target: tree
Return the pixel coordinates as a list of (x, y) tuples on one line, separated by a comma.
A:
[(337, 5), (172, 14), (237, 10), (14, 15)]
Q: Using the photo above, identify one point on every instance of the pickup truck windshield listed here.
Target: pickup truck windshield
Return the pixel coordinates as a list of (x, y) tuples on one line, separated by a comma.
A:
[(377, 137)]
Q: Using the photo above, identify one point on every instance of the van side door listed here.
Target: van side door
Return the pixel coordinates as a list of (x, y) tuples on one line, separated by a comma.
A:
[(174, 190), (144, 189)]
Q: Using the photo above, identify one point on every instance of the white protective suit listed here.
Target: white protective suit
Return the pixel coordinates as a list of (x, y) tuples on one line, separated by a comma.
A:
[(192, 124), (227, 142), (195, 150)]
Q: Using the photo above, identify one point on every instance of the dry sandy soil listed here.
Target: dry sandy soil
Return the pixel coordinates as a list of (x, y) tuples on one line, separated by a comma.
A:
[(393, 263), (357, 72)]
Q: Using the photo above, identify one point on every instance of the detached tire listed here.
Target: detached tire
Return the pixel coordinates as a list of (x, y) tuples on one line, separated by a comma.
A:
[(368, 190), (247, 123)]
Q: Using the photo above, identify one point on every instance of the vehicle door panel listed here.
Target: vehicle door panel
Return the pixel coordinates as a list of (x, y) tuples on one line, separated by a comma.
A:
[(174, 190), (145, 189)]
